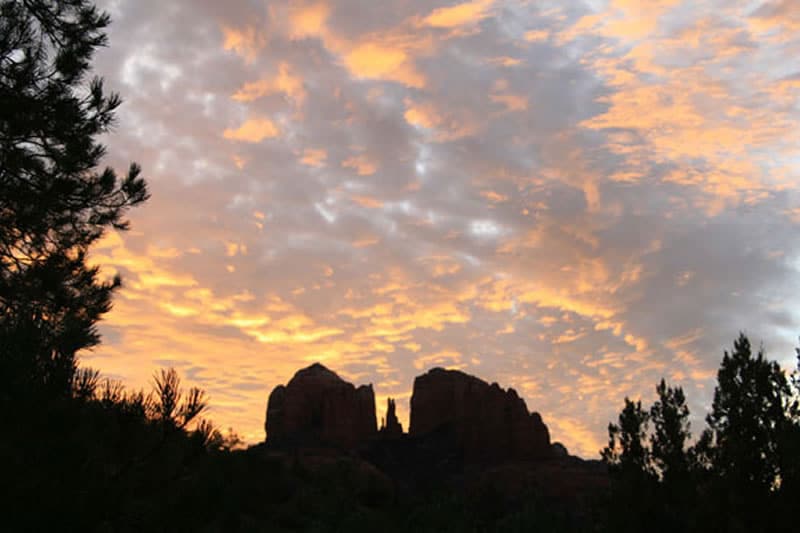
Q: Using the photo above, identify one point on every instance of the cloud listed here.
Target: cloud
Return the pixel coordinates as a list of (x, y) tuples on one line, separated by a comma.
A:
[(247, 42), (361, 164), (253, 130), (569, 200), (314, 157), (783, 14), (284, 82), (371, 60), (458, 15), (308, 20)]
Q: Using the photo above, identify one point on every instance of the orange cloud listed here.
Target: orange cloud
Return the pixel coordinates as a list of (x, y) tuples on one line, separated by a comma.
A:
[(387, 55), (512, 102), (494, 197), (308, 20), (362, 164), (246, 42), (284, 82), (314, 157), (458, 15), (367, 201), (423, 116), (253, 130), (444, 127), (372, 60), (536, 35), (375, 60)]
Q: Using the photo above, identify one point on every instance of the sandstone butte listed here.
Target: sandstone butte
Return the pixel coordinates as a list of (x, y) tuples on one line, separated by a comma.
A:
[(319, 407), (485, 422), (481, 422)]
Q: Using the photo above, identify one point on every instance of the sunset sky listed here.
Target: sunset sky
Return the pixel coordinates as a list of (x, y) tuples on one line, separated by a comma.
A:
[(571, 198)]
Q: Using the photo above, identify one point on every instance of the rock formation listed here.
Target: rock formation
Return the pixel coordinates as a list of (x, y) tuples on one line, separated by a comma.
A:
[(465, 435), (559, 450), (391, 427), (319, 407), (453, 415), (483, 422)]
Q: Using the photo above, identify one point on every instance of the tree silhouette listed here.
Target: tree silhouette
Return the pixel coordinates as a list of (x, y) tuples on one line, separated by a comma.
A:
[(628, 458), (627, 450), (670, 417), (746, 418), (741, 475), (790, 446), (671, 460), (56, 200), (170, 407)]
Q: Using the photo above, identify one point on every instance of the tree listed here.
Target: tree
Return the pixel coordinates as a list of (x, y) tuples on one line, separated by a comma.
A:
[(56, 201), (671, 460), (747, 417), (744, 445), (790, 447), (168, 408), (741, 475), (627, 450), (670, 417), (628, 459)]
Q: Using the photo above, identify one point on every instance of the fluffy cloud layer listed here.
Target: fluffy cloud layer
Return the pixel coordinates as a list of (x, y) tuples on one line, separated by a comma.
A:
[(570, 198)]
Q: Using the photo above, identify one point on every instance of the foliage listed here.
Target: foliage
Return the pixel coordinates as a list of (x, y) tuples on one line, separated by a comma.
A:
[(746, 417), (668, 443), (627, 452), (56, 201), (168, 407), (741, 474), (629, 461)]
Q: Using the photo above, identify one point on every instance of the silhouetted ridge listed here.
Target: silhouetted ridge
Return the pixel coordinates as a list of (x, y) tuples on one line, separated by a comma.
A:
[(466, 437), (482, 422), (319, 407), (456, 414)]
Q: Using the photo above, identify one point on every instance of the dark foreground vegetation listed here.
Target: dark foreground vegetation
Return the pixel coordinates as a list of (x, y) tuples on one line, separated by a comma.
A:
[(80, 453), (741, 474)]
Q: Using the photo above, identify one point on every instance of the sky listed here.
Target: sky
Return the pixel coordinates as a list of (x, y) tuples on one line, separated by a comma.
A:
[(571, 198)]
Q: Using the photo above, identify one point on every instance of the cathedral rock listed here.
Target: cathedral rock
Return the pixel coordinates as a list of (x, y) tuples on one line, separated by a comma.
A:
[(465, 416), (483, 422), (319, 407)]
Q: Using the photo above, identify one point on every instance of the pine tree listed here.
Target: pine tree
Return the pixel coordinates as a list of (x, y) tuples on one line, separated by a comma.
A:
[(628, 458), (746, 418), (671, 460), (670, 417), (743, 442), (790, 451), (627, 450), (55, 199)]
